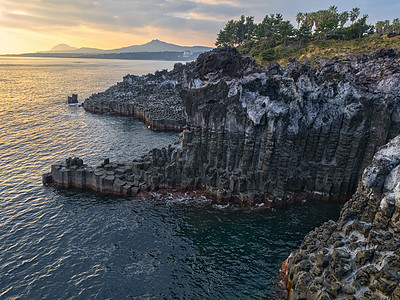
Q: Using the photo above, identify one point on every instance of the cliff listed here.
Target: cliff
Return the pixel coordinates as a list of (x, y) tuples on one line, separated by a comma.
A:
[(274, 135), (280, 133), (357, 257), (153, 98)]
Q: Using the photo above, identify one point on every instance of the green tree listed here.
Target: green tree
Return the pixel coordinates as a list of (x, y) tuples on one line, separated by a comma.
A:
[(308, 20), (354, 13), (379, 26), (332, 11), (249, 28), (386, 26), (317, 17), (395, 28), (343, 18), (285, 30), (299, 18), (304, 34), (327, 28), (240, 30), (226, 36), (358, 29)]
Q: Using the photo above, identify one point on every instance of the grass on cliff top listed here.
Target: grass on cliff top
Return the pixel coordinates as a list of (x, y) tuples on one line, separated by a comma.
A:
[(321, 48)]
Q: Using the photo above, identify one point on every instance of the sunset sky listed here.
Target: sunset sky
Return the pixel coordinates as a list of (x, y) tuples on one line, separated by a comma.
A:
[(36, 25)]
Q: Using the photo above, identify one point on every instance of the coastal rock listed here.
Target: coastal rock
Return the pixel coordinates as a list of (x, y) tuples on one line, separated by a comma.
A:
[(153, 98), (366, 261), (272, 136)]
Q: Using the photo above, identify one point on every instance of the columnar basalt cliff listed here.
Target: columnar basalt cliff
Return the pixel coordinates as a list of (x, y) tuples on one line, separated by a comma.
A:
[(357, 257), (274, 135)]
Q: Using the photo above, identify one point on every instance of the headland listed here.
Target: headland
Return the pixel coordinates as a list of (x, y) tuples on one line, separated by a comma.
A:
[(275, 136)]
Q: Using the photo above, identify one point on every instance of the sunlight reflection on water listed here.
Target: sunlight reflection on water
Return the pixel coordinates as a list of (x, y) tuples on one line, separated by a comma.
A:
[(71, 244)]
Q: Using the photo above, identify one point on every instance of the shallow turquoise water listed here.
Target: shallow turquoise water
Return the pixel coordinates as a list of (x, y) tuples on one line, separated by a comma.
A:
[(78, 245)]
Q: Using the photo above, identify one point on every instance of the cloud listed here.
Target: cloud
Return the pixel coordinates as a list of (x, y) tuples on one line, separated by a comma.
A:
[(198, 21)]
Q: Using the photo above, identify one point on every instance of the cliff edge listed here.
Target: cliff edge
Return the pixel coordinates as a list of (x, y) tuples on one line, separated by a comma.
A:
[(274, 135)]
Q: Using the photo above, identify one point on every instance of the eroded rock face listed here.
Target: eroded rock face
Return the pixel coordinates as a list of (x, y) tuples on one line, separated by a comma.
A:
[(153, 98), (278, 135), (358, 256), (274, 135), (281, 133)]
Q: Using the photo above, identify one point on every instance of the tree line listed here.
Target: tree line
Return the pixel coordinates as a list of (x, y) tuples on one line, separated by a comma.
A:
[(384, 27), (322, 24)]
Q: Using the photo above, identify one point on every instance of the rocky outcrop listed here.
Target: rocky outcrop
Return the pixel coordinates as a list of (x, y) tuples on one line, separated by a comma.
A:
[(280, 135), (153, 98), (357, 257), (275, 135)]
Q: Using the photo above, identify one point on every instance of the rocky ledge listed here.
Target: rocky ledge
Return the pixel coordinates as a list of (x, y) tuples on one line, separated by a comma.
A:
[(357, 257), (274, 135)]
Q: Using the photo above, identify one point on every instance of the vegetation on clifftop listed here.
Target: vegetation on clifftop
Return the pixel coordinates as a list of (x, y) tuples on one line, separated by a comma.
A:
[(318, 34)]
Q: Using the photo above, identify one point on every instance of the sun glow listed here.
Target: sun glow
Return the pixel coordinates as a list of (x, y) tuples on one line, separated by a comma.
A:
[(19, 12)]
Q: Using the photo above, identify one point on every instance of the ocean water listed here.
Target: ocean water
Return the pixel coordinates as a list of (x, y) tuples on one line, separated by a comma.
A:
[(68, 244)]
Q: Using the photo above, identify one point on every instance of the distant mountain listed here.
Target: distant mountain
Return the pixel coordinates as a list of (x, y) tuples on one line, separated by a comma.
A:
[(153, 46), (159, 46), (62, 47)]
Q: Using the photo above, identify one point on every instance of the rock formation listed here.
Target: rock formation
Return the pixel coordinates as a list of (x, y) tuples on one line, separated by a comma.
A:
[(357, 257), (274, 135), (153, 98)]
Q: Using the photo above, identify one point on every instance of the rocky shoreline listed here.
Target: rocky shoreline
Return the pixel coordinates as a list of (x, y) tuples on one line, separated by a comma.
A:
[(152, 98), (274, 136), (357, 257)]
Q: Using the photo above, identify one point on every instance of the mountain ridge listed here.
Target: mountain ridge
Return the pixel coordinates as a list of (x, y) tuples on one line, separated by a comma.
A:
[(152, 46)]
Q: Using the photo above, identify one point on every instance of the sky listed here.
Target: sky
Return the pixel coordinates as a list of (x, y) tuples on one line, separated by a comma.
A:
[(38, 25)]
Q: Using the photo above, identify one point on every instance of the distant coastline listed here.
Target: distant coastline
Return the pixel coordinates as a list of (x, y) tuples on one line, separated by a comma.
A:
[(165, 55), (154, 50)]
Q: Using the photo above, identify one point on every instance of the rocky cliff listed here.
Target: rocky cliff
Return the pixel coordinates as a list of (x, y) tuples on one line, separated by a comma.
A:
[(274, 135), (282, 132), (357, 257), (153, 98)]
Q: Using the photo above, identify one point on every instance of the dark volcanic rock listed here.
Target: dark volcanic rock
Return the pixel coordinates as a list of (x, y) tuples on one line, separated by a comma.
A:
[(366, 261), (277, 135), (224, 61), (274, 135), (153, 98)]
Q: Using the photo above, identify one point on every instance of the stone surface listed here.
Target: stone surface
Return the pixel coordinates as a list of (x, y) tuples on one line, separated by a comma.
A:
[(272, 136), (275, 136), (366, 261)]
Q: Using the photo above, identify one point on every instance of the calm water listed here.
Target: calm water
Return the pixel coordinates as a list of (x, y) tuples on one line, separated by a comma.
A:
[(68, 244)]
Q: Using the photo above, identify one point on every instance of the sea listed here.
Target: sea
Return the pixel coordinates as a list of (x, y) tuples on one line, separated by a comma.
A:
[(72, 244)]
